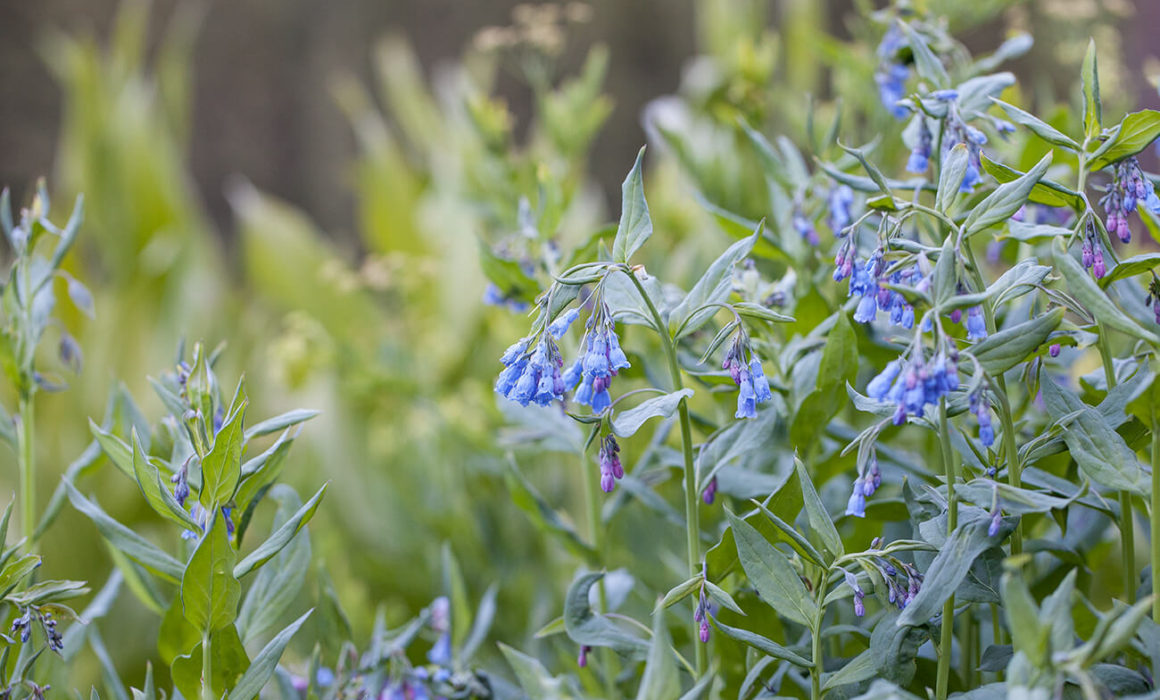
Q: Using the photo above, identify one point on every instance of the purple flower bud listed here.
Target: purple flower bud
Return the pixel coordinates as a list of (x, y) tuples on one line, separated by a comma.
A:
[(996, 521), (1053, 350), (704, 631), (582, 659), (710, 492)]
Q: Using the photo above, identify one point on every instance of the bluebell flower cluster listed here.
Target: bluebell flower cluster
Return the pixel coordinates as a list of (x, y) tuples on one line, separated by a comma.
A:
[(859, 594), (976, 323), (1129, 190), (804, 226), (180, 481), (701, 615), (753, 387), (897, 593), (981, 407), (600, 360), (839, 201), (866, 281), (891, 75), (919, 160), (1091, 252), (914, 385), (532, 375), (864, 487), (32, 615), (611, 469)]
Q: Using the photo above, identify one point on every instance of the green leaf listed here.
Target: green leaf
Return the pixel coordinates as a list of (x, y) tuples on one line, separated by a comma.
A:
[(588, 627), (222, 467), (1130, 267), (125, 540), (156, 491), (928, 65), (947, 571), (16, 571), (872, 170), (281, 537), (544, 517), (277, 584), (1100, 452), (771, 573), (626, 423), (660, 680), (1045, 192), (751, 310), (263, 665), (273, 425), (762, 644), (950, 177), (975, 94), (635, 224), (228, 662), (176, 637), (1092, 111), (1028, 634), (116, 449), (856, 670), (209, 590), (455, 588), (1003, 350), (1087, 292), (820, 521), (1005, 200), (714, 287), (533, 678), (1136, 132), (679, 592), (839, 365), (1038, 127)]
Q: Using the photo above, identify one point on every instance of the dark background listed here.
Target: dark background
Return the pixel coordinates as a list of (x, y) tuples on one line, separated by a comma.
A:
[(261, 101)]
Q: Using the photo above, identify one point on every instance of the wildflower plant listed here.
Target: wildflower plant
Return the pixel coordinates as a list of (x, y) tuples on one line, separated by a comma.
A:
[(903, 449), (199, 470)]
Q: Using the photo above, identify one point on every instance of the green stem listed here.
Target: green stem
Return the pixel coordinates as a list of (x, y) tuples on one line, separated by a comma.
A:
[(1003, 408), (596, 539), (206, 691), (816, 637), (692, 514), (948, 614), (1127, 522), (1155, 515), (27, 441)]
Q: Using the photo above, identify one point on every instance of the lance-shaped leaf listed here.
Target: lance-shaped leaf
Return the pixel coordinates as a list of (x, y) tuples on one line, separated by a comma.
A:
[(278, 582), (1092, 111), (222, 466), (950, 177), (763, 644), (281, 422), (947, 571), (820, 521), (1005, 200), (1037, 126), (635, 224), (1088, 293), (281, 537), (125, 540), (1046, 192), (1100, 452), (929, 67), (115, 448), (1135, 133), (626, 423), (262, 667), (660, 680), (588, 627), (156, 491), (1003, 350), (714, 287), (209, 590), (771, 573), (544, 517)]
